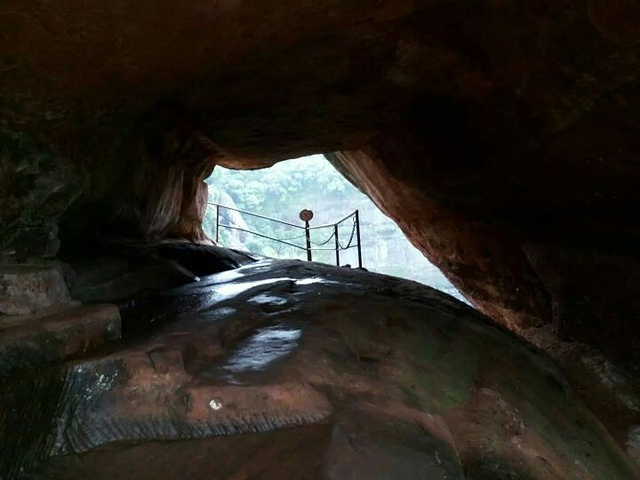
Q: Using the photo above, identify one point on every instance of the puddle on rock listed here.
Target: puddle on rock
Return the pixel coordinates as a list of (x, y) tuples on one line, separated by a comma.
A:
[(214, 294), (266, 299), (238, 273), (229, 290), (316, 280), (263, 348)]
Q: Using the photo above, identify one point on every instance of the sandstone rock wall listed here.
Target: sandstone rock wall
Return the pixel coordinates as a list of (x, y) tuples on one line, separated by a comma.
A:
[(502, 136)]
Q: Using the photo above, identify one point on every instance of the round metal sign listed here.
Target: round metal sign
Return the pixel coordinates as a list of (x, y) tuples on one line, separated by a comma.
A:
[(306, 215)]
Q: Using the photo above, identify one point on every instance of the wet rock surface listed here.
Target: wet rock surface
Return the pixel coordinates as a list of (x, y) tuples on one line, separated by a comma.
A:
[(29, 342), (122, 271), (285, 369), (609, 389)]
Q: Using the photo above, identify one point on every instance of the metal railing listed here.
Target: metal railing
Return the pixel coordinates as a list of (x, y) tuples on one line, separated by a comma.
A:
[(309, 246)]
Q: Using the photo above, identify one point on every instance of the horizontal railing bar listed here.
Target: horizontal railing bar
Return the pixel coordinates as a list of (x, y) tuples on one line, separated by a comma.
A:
[(316, 249), (332, 249), (315, 227), (307, 228), (341, 248), (261, 235), (257, 215)]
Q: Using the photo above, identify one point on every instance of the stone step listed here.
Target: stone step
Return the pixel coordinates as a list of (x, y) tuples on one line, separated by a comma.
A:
[(55, 334)]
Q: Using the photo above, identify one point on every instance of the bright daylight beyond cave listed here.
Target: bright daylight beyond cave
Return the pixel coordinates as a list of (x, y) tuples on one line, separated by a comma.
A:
[(285, 189)]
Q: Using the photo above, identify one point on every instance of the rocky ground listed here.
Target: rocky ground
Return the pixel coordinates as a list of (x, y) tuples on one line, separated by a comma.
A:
[(285, 369)]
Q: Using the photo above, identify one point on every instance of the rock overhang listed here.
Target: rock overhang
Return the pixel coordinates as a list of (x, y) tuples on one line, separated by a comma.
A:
[(501, 137)]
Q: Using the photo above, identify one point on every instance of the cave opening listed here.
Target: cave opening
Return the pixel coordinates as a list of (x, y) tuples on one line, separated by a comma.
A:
[(282, 191)]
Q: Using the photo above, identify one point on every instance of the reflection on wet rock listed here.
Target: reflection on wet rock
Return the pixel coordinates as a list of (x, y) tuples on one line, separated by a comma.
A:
[(303, 371), (264, 347)]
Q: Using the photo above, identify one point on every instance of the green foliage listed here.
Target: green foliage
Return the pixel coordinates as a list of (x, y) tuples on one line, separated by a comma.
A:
[(285, 189), (280, 192)]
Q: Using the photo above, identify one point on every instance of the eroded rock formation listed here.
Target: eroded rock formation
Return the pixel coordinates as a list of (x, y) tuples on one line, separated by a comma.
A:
[(296, 370), (501, 136)]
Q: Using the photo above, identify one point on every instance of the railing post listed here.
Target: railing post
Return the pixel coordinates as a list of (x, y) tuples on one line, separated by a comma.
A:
[(217, 223), (308, 235), (335, 234), (358, 238)]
